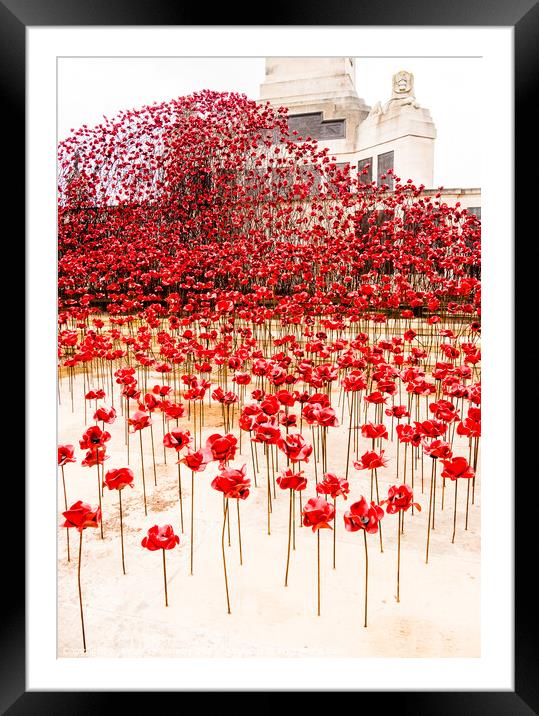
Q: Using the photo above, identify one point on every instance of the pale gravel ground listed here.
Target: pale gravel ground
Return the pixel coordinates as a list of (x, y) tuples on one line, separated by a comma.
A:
[(125, 616)]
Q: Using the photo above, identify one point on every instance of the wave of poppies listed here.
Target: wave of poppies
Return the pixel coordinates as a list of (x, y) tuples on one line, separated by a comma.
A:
[(207, 257)]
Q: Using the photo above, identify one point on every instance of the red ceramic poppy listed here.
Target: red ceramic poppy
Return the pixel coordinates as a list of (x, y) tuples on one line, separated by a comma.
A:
[(160, 538), (232, 483), (177, 439), (437, 449), (399, 498), (374, 431), (105, 415), (457, 467), (94, 437), (295, 447), (196, 461), (95, 456), (66, 454), (81, 515), (139, 421), (289, 480), (362, 516), (333, 486), (371, 460), (221, 447), (118, 479), (318, 513)]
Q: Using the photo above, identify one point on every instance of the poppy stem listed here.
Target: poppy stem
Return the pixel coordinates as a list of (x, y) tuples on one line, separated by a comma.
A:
[(434, 496), (467, 504), (80, 595), (334, 531), (269, 490), (165, 578), (289, 538), (224, 556), (180, 495), (430, 508), (121, 530), (455, 514), (239, 528), (153, 457), (366, 574), (399, 554), (99, 491), (65, 501), (143, 478)]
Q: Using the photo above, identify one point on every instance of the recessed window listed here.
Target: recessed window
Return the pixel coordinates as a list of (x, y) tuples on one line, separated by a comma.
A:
[(361, 166), (313, 125), (385, 163)]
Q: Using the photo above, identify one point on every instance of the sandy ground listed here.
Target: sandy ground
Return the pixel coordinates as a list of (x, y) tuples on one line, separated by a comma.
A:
[(126, 616)]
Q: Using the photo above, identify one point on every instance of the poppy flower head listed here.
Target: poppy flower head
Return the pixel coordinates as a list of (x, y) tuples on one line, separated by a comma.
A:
[(177, 439), (362, 516), (289, 480), (139, 421), (94, 437), (295, 447), (160, 538), (66, 454), (371, 460), (318, 513), (399, 498), (333, 486), (374, 431), (196, 461), (457, 467), (221, 447), (81, 515), (118, 479), (232, 483)]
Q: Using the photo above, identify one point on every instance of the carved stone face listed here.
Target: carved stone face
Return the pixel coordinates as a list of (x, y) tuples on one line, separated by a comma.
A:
[(403, 83)]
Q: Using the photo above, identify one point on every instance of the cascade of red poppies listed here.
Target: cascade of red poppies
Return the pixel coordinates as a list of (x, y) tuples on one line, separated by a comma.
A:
[(208, 259)]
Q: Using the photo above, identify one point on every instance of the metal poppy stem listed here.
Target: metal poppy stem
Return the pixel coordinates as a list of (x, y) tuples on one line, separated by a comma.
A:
[(434, 497), (467, 504), (180, 496), (430, 508), (289, 538), (455, 514), (121, 530), (269, 490), (239, 528), (224, 556), (153, 457), (366, 574), (165, 578), (143, 479), (334, 531), (80, 595), (65, 500), (99, 491), (349, 434), (399, 526), (378, 500)]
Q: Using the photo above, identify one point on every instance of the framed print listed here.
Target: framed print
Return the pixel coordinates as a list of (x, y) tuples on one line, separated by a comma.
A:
[(259, 285)]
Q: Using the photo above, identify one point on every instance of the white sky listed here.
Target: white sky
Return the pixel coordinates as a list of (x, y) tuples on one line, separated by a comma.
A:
[(90, 87)]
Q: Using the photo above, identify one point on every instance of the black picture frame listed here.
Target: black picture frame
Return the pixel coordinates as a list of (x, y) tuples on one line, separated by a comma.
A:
[(523, 16)]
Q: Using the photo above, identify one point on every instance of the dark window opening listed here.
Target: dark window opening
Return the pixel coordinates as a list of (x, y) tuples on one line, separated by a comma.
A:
[(385, 163)]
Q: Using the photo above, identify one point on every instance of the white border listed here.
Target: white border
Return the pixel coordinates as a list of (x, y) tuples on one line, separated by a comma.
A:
[(494, 670)]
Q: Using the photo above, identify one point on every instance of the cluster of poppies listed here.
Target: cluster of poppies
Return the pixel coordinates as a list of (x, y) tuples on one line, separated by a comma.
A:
[(210, 259)]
